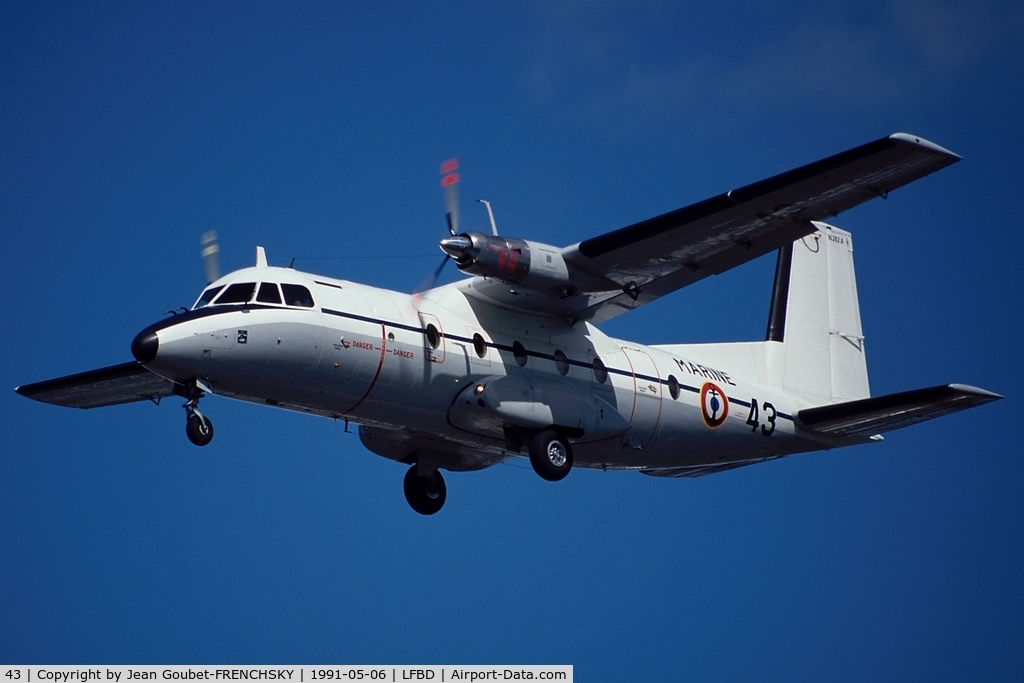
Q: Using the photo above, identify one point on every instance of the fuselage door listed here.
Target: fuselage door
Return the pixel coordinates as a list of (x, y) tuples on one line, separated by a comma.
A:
[(433, 338), (646, 411)]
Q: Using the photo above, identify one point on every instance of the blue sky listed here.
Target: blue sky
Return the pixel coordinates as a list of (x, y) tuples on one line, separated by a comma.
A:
[(316, 130)]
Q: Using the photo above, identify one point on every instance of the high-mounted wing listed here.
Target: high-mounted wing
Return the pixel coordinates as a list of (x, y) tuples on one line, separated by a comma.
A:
[(621, 270), (125, 383), (870, 416), (662, 254)]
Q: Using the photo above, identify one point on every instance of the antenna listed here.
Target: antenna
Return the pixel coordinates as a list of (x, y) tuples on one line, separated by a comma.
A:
[(490, 214)]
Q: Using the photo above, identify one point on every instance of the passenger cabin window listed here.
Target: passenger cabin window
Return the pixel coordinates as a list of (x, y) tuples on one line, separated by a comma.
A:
[(269, 294), (519, 353), (562, 363), (207, 296), (297, 295), (238, 293)]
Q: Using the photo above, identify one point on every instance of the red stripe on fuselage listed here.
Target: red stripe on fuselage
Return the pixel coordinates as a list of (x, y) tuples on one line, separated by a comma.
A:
[(380, 364)]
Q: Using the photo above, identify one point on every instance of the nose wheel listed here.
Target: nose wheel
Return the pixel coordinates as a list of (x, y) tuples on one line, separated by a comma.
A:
[(426, 495), (198, 427)]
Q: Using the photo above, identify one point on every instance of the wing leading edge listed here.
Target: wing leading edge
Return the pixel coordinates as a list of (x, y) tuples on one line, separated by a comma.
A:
[(124, 383), (662, 254), (621, 270)]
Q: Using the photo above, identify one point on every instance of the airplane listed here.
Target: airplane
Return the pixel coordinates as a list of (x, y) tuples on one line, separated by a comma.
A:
[(510, 361)]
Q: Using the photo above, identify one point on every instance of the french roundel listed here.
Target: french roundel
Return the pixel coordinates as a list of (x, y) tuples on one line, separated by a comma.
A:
[(714, 405)]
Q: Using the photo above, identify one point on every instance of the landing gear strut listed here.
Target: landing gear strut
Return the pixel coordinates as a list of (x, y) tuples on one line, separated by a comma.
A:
[(426, 495), (550, 455), (198, 427)]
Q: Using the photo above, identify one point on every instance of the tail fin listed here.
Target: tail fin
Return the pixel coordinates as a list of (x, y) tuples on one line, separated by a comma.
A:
[(815, 315)]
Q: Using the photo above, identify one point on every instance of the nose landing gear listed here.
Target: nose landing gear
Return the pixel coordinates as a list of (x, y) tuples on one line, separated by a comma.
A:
[(198, 427)]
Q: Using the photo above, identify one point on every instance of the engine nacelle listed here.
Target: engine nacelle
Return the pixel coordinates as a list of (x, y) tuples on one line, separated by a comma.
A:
[(531, 265), (535, 404)]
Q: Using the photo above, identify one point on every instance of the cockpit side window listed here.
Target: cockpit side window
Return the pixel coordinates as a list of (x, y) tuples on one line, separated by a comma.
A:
[(269, 293), (297, 295), (238, 293), (207, 296)]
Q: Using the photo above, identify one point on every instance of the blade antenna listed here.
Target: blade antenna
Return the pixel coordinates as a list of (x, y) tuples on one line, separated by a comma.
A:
[(211, 255), (490, 215)]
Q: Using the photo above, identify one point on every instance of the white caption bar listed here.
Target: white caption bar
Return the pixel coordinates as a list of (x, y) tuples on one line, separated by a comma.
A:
[(287, 673)]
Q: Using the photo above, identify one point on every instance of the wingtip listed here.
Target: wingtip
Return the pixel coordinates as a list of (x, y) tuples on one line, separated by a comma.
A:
[(927, 144), (978, 392)]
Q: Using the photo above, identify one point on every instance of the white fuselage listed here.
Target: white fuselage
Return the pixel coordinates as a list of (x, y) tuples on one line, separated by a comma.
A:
[(414, 373)]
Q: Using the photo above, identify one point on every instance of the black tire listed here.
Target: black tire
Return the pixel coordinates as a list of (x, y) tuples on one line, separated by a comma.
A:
[(199, 430), (550, 455), (426, 495)]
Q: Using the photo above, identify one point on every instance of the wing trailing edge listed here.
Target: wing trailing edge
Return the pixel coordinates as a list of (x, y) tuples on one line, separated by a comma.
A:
[(113, 385), (870, 416)]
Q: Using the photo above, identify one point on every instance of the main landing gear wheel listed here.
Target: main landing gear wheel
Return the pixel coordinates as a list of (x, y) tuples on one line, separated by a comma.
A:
[(550, 455), (199, 429), (426, 495)]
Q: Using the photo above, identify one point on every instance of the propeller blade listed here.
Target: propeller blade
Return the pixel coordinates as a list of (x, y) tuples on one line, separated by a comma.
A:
[(429, 282), (211, 255), (450, 184)]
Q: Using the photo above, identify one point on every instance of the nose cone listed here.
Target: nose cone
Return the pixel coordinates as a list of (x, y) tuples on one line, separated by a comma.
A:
[(457, 246), (145, 346)]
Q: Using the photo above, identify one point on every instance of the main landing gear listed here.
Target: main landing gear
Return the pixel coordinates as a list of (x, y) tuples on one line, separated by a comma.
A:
[(426, 495), (198, 427), (550, 455)]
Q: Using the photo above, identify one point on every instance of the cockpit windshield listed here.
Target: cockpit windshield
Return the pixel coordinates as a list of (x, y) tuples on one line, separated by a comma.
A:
[(207, 296), (238, 293), (269, 293)]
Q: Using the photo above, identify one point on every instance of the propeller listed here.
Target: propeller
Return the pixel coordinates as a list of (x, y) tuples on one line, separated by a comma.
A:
[(211, 255), (450, 186)]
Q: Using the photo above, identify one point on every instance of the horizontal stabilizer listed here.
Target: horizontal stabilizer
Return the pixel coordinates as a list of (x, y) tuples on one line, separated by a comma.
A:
[(870, 416), (692, 471), (124, 383)]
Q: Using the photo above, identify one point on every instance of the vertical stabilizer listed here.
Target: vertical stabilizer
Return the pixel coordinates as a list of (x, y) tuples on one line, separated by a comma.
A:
[(815, 315)]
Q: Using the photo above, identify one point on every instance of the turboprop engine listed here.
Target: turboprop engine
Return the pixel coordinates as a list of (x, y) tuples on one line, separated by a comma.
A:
[(531, 265)]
